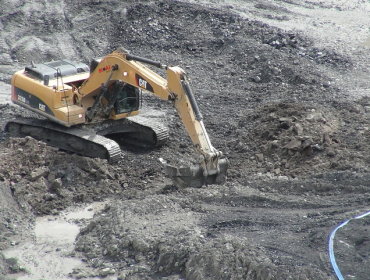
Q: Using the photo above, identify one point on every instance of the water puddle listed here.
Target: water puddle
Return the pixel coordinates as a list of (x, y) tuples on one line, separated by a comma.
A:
[(49, 255)]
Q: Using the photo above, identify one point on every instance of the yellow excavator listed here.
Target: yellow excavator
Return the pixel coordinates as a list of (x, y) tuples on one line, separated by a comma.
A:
[(82, 104)]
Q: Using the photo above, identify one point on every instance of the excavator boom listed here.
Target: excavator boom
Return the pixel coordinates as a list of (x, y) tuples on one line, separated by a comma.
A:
[(120, 65)]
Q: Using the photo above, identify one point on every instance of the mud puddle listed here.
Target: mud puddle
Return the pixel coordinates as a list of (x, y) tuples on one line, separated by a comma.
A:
[(50, 254)]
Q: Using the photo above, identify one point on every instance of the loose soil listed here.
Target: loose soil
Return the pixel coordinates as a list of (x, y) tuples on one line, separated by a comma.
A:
[(283, 87)]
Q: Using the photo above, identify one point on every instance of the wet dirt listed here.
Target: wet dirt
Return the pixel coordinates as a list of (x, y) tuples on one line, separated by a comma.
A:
[(49, 255), (283, 87)]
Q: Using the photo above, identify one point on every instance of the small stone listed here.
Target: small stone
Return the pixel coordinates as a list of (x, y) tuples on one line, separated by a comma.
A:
[(49, 197), (14, 265), (56, 186), (57, 183), (367, 109), (330, 153), (308, 142), (274, 144), (259, 157), (325, 138), (308, 151), (106, 271), (269, 166), (317, 147), (284, 119), (140, 245), (315, 117), (123, 275), (275, 71), (294, 144), (17, 178), (257, 79), (76, 270), (326, 84), (277, 171), (51, 177), (38, 173), (80, 275), (298, 129)]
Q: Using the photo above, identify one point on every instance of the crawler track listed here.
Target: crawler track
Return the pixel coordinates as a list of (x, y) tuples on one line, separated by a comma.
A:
[(89, 140), (136, 130)]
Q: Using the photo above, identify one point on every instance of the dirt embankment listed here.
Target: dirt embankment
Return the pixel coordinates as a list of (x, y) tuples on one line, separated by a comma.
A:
[(282, 88)]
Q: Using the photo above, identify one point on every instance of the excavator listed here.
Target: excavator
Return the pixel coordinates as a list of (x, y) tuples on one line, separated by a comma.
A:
[(82, 105)]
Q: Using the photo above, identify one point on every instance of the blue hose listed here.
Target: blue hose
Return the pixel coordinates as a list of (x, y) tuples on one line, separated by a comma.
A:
[(331, 242)]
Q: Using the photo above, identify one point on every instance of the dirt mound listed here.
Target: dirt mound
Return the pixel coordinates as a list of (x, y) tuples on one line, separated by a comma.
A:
[(52, 180), (292, 139)]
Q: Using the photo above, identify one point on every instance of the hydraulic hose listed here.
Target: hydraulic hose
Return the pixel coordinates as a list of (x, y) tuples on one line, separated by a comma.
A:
[(144, 60), (193, 102), (331, 244)]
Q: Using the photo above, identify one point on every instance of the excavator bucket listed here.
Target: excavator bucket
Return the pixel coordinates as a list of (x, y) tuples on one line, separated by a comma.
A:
[(185, 177)]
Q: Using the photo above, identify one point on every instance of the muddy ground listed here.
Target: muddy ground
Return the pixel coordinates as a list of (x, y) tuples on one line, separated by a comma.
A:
[(283, 87)]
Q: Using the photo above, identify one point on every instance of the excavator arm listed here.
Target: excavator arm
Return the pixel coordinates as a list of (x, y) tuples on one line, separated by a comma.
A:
[(124, 67)]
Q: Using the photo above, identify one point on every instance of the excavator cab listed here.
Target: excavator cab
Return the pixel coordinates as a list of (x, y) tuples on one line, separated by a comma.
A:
[(121, 100), (127, 100)]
